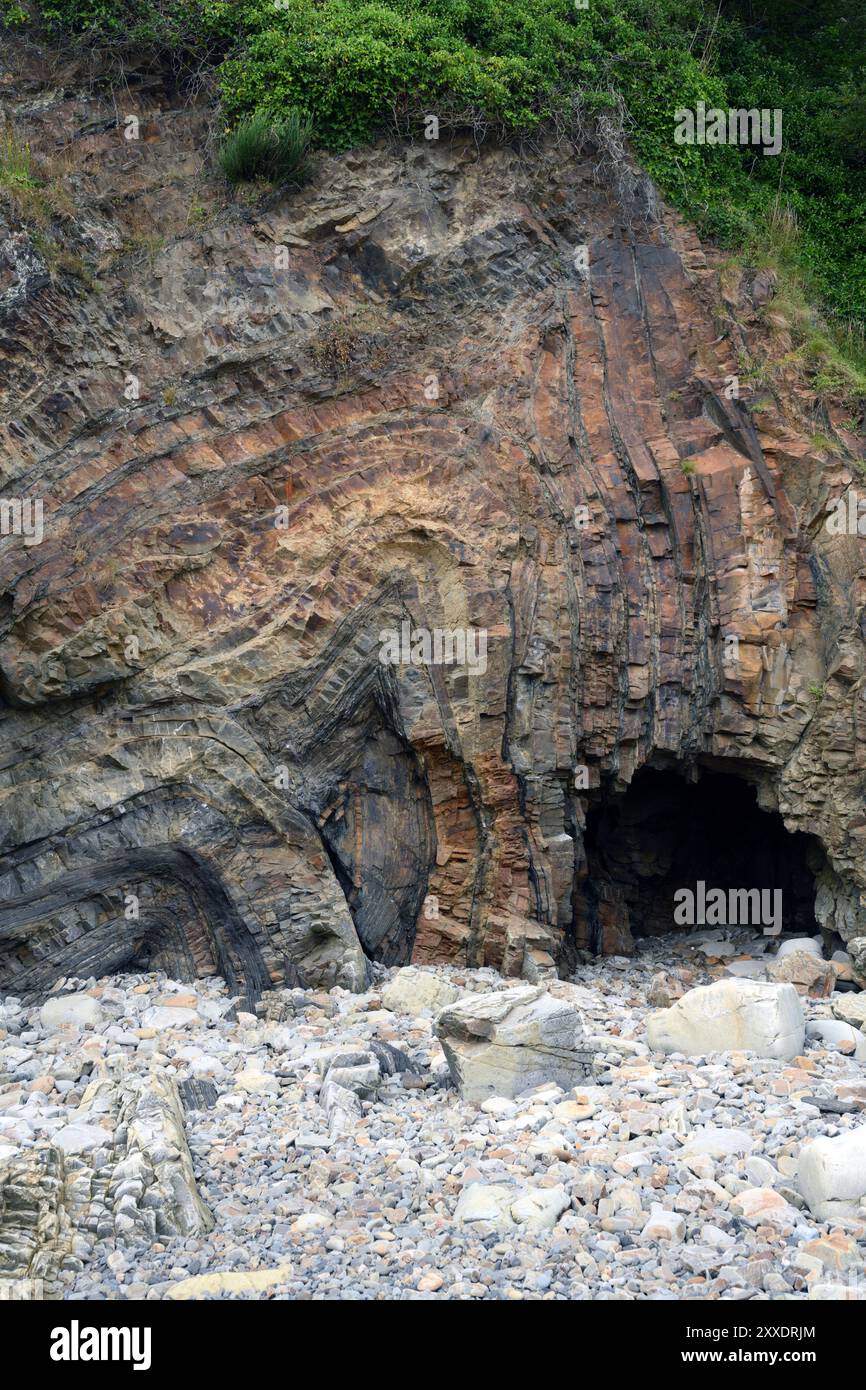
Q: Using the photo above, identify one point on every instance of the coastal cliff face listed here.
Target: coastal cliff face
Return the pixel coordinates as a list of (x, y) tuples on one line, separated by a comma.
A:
[(282, 446)]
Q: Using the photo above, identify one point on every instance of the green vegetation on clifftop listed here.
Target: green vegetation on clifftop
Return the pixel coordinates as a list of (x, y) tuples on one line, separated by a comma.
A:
[(513, 67)]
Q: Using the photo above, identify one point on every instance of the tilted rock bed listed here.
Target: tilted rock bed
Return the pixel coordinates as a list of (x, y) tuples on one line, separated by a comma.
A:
[(320, 1149)]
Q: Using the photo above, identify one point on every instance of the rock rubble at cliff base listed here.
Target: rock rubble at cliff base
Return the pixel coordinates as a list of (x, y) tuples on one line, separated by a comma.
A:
[(157, 1143)]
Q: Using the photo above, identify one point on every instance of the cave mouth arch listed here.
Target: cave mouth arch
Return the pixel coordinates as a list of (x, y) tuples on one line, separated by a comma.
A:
[(665, 833)]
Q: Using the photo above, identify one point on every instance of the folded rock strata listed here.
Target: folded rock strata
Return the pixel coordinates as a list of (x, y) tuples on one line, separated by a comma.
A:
[(153, 1187), (392, 401), (349, 1077)]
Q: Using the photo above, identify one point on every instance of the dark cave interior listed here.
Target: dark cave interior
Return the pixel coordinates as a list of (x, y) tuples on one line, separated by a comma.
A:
[(665, 833)]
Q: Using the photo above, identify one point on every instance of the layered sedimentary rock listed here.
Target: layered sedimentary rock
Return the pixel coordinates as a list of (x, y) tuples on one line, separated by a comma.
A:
[(271, 438), (131, 1179), (35, 1230)]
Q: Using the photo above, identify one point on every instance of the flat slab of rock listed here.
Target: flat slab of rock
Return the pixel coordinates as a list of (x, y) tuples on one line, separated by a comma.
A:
[(732, 1015), (230, 1282), (507, 1042), (748, 969)]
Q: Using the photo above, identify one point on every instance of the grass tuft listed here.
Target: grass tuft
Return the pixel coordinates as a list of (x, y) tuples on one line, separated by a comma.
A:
[(263, 148), (15, 164)]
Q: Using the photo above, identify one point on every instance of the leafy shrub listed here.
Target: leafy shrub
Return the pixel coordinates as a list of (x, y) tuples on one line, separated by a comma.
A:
[(264, 148)]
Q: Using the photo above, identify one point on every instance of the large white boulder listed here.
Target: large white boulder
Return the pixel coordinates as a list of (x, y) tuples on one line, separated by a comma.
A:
[(833, 1171), (503, 1043), (70, 1011), (227, 1282), (413, 991), (731, 1015)]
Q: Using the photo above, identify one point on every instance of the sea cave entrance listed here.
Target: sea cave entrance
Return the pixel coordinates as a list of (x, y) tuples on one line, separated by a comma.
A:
[(664, 834)]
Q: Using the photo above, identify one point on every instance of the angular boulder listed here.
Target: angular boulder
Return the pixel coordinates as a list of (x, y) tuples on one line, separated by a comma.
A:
[(761, 1206), (731, 1015), (851, 1008), (832, 1173), (664, 1225), (806, 971), (503, 1043)]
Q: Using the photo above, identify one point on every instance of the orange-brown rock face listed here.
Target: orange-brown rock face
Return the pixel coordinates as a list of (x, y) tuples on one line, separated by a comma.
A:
[(275, 442)]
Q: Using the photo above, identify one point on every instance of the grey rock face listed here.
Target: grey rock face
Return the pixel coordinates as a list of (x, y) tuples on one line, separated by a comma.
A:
[(35, 1230)]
